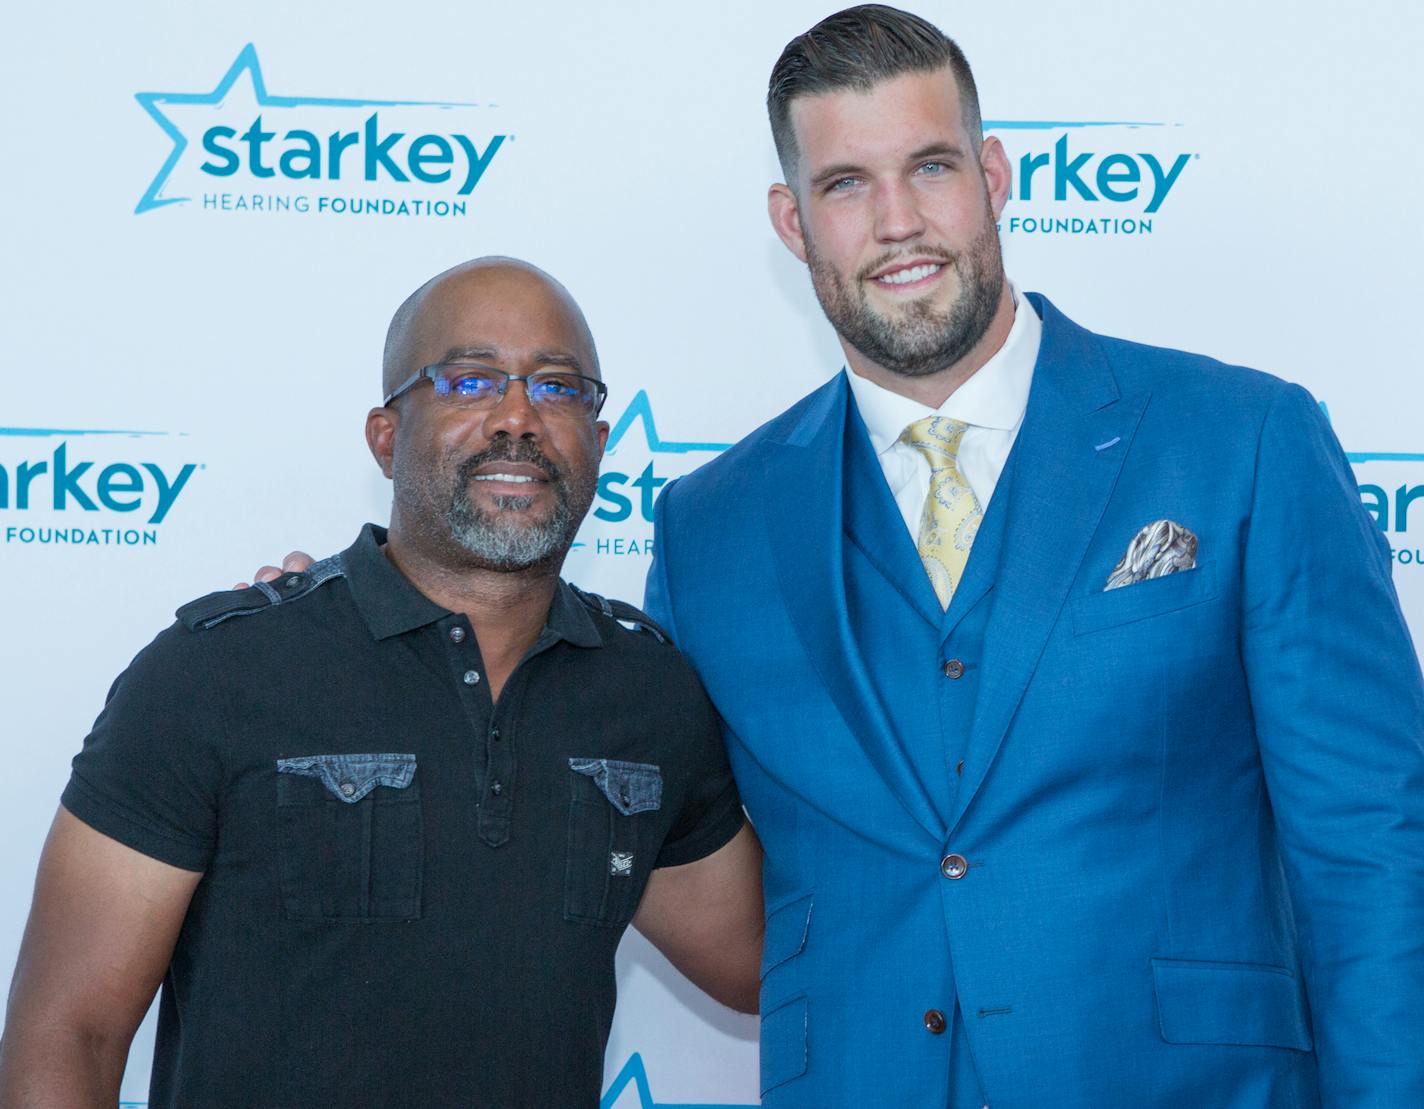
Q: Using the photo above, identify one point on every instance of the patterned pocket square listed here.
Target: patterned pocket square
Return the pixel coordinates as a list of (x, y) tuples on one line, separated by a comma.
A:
[(1159, 549)]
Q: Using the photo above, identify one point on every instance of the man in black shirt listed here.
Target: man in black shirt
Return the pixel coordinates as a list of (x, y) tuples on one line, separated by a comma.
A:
[(378, 826)]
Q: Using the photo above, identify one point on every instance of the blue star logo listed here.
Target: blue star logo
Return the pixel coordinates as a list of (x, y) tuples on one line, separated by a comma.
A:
[(636, 1075), (1062, 124), (49, 432), (1357, 457), (246, 65), (640, 411)]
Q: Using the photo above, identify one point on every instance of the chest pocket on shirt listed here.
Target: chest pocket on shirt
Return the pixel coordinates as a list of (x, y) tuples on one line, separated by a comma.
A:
[(611, 843), (351, 839)]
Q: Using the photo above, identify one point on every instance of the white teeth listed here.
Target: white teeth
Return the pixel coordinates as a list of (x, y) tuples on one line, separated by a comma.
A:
[(914, 273), (519, 478)]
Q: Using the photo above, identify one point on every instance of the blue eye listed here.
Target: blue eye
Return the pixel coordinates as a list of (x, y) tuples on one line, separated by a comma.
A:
[(932, 169)]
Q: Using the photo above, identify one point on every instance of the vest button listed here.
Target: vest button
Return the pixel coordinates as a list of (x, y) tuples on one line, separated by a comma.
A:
[(934, 1022), (954, 867), (953, 668)]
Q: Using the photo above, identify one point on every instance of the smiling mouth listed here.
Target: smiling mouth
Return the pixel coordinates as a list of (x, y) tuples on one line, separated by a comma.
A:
[(517, 479), (910, 274)]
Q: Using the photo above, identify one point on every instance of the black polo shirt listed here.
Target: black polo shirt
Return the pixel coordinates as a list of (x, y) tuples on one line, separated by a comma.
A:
[(410, 896)]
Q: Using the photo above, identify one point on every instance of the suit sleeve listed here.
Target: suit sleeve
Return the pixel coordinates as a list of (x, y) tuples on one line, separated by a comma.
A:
[(1336, 691), (657, 601)]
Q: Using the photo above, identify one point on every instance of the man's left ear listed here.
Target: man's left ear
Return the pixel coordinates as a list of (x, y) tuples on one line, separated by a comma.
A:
[(381, 426), (998, 173)]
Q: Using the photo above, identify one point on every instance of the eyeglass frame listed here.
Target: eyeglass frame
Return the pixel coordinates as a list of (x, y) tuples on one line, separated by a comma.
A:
[(432, 371)]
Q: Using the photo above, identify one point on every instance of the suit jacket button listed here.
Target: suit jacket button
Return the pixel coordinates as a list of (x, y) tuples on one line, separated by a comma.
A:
[(954, 866), (934, 1021), (953, 668)]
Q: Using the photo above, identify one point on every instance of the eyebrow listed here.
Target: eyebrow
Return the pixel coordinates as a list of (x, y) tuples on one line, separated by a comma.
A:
[(491, 354), (944, 150), (947, 151)]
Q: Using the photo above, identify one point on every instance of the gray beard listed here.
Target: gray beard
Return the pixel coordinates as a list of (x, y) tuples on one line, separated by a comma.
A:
[(502, 541), (922, 341), (503, 544)]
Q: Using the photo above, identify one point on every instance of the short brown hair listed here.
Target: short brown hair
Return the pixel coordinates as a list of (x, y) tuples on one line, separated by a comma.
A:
[(857, 49)]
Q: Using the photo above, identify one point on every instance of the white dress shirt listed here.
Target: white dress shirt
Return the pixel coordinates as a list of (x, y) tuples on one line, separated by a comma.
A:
[(991, 402)]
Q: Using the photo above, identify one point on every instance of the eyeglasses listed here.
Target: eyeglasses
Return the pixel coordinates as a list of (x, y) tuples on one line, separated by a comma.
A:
[(473, 385)]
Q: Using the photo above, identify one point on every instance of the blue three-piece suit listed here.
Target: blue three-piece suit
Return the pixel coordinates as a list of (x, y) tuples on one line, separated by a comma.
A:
[(1062, 846)]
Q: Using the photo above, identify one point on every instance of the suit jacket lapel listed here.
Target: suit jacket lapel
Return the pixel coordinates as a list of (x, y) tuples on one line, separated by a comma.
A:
[(874, 524), (805, 516), (1076, 433)]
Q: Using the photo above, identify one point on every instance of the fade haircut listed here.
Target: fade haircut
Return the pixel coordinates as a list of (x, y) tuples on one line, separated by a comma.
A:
[(857, 49)]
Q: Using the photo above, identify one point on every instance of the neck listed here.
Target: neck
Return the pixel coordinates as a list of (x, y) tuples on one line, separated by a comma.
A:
[(933, 389), (507, 608)]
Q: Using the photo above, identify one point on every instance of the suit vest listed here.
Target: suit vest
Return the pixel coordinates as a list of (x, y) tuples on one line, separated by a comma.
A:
[(923, 662)]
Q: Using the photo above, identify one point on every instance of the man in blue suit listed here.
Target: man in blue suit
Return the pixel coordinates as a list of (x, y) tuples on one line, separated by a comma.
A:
[(1063, 677)]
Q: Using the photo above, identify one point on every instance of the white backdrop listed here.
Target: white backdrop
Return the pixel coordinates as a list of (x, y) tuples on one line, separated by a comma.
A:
[(1249, 189)]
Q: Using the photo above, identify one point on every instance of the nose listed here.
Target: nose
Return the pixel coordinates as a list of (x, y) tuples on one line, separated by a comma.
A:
[(897, 213), (514, 415)]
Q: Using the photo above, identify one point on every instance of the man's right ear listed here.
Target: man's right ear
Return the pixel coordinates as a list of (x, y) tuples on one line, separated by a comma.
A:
[(786, 218), (381, 436)]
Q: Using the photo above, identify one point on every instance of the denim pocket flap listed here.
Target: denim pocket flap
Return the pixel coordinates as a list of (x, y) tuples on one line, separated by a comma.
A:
[(786, 929), (350, 777), (1230, 1003), (631, 787)]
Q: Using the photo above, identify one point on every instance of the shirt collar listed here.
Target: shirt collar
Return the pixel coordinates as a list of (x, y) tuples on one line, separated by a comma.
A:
[(994, 397), (391, 605)]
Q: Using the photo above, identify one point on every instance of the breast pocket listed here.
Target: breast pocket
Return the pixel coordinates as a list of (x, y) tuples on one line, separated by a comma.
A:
[(1143, 599), (351, 845), (611, 838)]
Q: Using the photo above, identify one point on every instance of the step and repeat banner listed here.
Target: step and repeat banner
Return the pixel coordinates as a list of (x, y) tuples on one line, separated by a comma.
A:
[(211, 211)]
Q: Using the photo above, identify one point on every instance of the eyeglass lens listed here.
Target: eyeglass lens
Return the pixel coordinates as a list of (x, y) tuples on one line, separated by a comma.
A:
[(481, 387)]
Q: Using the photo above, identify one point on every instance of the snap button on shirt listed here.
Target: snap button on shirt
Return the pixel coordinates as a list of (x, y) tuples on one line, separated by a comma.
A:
[(457, 635), (347, 789), (471, 677), (954, 867)]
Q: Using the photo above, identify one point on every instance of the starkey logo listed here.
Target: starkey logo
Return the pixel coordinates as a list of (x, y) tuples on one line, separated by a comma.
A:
[(1090, 177), (630, 1089), (241, 149), (85, 487), (638, 462), (1389, 483)]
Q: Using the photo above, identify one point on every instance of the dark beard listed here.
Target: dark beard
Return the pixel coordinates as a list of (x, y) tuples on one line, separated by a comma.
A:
[(922, 340)]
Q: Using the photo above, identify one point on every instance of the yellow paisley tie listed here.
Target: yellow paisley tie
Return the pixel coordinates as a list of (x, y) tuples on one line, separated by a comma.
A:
[(952, 513)]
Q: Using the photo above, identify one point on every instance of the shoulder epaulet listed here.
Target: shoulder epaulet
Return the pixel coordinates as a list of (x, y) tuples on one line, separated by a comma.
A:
[(210, 611), (635, 619)]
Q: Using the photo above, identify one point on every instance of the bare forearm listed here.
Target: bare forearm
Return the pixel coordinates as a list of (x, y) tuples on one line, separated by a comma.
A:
[(54, 1067), (731, 973), (706, 917)]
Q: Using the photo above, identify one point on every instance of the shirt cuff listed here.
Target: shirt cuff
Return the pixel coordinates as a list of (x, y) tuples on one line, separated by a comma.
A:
[(119, 824), (722, 821)]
